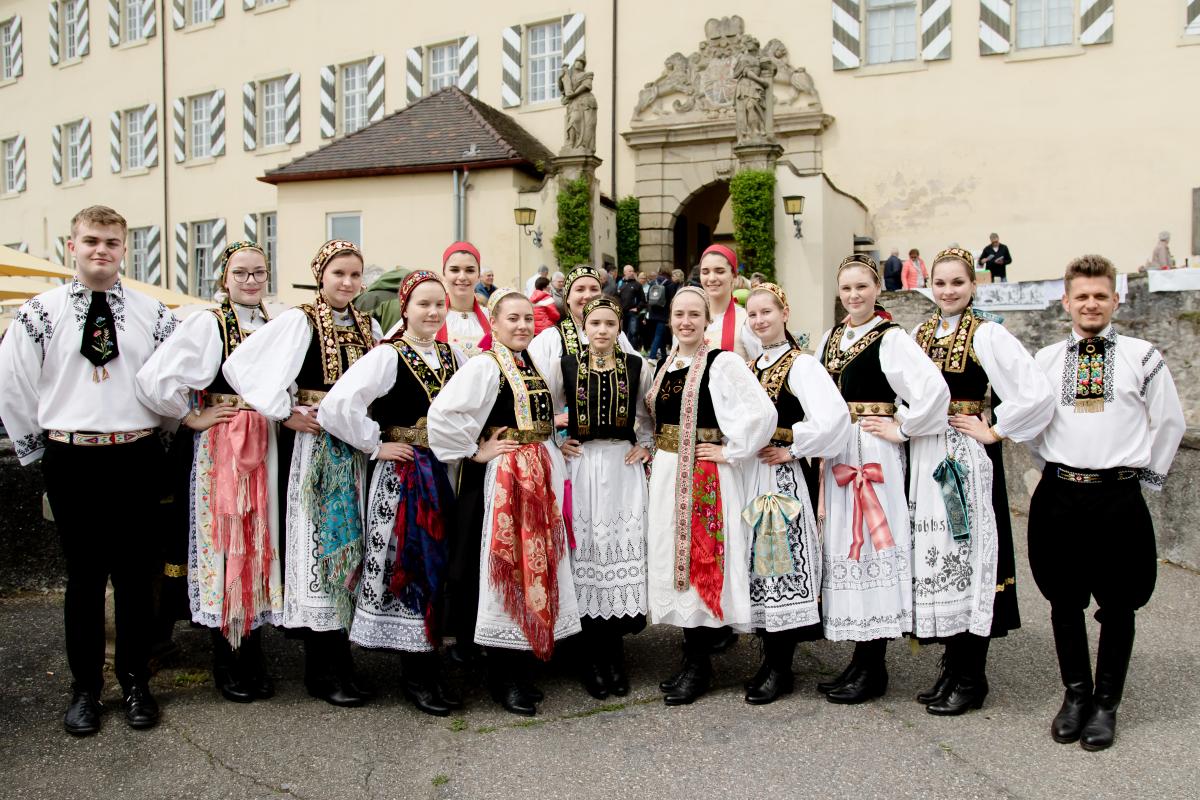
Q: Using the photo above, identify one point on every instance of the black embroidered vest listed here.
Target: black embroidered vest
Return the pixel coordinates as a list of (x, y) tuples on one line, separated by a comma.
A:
[(774, 380), (603, 396), (504, 412), (668, 404), (416, 385), (954, 355), (231, 337), (857, 371), (350, 346)]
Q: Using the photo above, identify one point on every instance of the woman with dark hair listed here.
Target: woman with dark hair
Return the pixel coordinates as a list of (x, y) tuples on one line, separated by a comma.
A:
[(785, 557), (380, 406), (497, 411), (728, 329), (309, 348), (866, 585), (233, 569), (711, 417), (957, 582)]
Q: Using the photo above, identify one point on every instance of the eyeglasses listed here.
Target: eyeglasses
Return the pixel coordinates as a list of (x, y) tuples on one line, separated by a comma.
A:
[(259, 276)]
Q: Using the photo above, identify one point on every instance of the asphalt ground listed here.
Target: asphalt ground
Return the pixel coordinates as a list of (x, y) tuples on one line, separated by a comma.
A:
[(577, 747)]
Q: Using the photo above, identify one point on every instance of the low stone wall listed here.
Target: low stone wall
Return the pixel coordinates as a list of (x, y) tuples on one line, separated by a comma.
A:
[(1171, 320)]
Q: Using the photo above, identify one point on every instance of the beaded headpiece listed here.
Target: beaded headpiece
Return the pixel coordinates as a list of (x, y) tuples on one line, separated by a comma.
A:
[(330, 250), (956, 254), (774, 289), (602, 302), (582, 271), (859, 260), (227, 253), (499, 295), (696, 290)]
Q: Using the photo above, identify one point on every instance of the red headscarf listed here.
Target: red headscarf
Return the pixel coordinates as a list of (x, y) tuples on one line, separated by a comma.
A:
[(444, 334), (729, 321)]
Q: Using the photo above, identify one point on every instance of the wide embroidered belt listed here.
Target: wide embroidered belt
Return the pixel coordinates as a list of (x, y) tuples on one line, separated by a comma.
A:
[(417, 435), (782, 435), (212, 399), (969, 407), (310, 397), (539, 433), (668, 438), (870, 410), (95, 439), (1094, 475)]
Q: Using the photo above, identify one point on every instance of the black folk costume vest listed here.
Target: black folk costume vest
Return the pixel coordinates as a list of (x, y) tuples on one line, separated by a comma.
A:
[(604, 404), (774, 380), (857, 371), (232, 335), (417, 383), (325, 362), (954, 354), (568, 334), (504, 410), (668, 403)]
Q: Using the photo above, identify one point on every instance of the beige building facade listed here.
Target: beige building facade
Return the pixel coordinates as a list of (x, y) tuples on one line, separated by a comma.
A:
[(1066, 126)]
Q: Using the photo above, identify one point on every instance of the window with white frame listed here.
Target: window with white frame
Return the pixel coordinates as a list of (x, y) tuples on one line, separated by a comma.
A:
[(131, 17), (1045, 23), (135, 145), (345, 226), (443, 66), (545, 60), (10, 165), (891, 31), (138, 258), (202, 258), (68, 13), (268, 238), (354, 96), (273, 109), (200, 125), (73, 144), (8, 48), (200, 11)]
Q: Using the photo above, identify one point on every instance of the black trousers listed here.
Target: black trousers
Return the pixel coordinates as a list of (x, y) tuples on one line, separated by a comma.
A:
[(466, 531), (105, 501), (1091, 540)]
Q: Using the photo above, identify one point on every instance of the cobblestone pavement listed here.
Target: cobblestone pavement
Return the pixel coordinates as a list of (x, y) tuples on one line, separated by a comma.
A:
[(577, 747)]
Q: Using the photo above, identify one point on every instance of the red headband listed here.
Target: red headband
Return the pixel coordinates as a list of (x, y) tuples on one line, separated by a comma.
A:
[(460, 247), (724, 252)]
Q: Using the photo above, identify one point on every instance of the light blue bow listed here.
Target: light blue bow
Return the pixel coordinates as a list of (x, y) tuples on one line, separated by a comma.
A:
[(952, 476), (770, 516)]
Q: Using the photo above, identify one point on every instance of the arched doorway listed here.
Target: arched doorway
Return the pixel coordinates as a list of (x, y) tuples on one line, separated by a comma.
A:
[(701, 219)]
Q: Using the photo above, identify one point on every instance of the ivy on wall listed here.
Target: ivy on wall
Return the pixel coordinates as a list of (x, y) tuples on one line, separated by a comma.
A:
[(752, 193), (629, 236), (573, 242)]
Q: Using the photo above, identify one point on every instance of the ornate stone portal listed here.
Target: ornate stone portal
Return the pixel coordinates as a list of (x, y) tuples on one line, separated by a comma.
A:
[(729, 106)]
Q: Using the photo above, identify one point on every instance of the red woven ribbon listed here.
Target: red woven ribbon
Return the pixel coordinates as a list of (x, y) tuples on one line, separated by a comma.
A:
[(527, 538), (707, 570), (866, 506)]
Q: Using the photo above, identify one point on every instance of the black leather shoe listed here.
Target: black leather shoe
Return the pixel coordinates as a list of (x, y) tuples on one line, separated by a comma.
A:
[(141, 709), (670, 683), (231, 686), (764, 669), (618, 680), (447, 695), (775, 685), (1100, 729), (941, 687), (848, 674), (866, 684), (693, 682), (1068, 723), (594, 682), (968, 693), (83, 714), (336, 693), (425, 697), (513, 700)]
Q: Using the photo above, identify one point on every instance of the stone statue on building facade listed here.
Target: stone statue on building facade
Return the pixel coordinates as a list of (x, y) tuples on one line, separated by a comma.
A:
[(575, 84)]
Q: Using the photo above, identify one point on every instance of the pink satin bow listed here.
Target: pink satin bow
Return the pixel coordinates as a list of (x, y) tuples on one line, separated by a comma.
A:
[(866, 504)]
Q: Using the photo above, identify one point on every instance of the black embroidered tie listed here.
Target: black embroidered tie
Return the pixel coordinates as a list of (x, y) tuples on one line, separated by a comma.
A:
[(1089, 379), (99, 344)]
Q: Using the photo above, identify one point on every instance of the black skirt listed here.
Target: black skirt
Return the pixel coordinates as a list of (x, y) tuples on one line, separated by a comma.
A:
[(1006, 616)]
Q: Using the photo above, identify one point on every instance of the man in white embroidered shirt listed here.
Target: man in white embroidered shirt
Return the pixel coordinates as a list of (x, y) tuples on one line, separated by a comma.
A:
[(1116, 427), (67, 366)]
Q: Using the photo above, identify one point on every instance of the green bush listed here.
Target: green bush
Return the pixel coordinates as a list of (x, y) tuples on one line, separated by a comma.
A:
[(629, 236), (753, 196), (573, 242)]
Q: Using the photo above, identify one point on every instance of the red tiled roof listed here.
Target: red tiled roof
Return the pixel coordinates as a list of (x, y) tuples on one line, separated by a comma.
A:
[(443, 131)]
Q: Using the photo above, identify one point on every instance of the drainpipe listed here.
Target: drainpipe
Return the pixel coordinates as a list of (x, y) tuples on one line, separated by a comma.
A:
[(457, 210), (462, 205), (164, 157), (612, 102)]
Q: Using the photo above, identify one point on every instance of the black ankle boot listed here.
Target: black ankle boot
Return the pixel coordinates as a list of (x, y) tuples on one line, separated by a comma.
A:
[(871, 679), (325, 670), (227, 672), (970, 682), (419, 684), (617, 678), (694, 681), (1112, 664), (504, 684), (253, 667), (775, 684), (779, 648), (1075, 665), (945, 679), (848, 674)]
